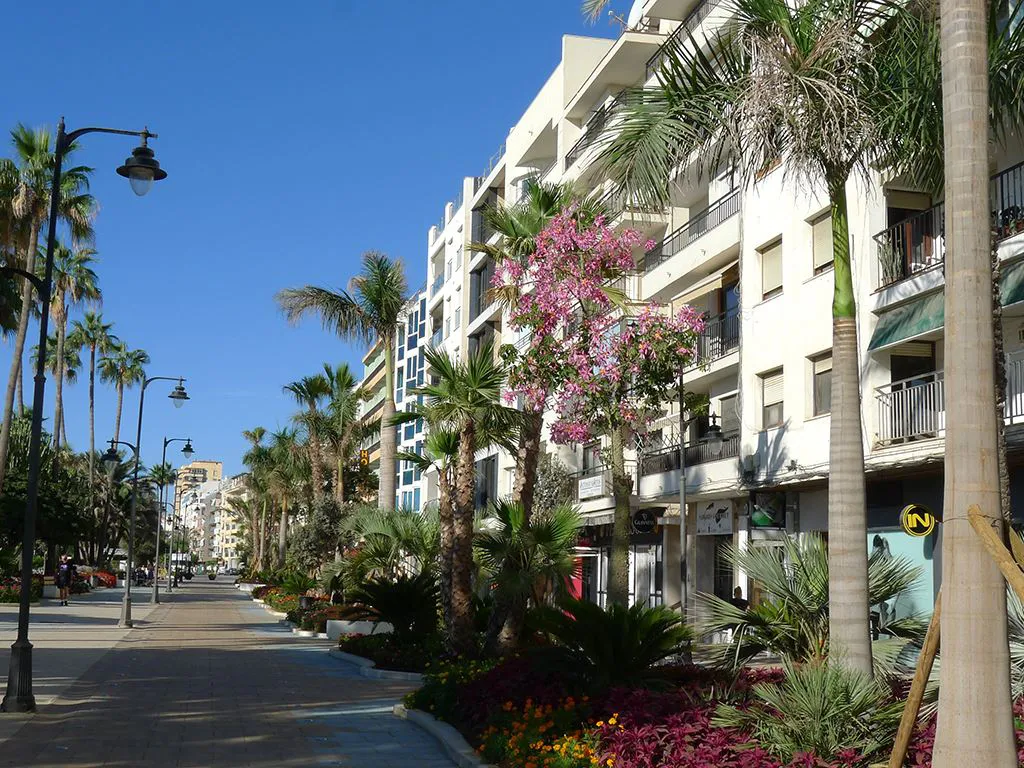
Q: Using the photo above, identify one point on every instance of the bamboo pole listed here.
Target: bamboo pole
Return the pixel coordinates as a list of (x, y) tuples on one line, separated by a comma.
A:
[(995, 547), (917, 686)]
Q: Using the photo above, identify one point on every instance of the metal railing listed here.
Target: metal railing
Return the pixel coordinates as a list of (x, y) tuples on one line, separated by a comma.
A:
[(596, 482), (698, 226), (436, 338), (680, 34), (615, 201), (911, 409), (436, 285), (592, 130), (720, 337), (696, 453), (918, 242)]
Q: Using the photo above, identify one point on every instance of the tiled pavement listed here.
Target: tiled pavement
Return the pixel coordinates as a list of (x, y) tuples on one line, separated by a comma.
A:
[(209, 679)]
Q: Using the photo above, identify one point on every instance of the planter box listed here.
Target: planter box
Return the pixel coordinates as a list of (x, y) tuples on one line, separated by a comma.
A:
[(247, 587), (338, 627), (50, 590)]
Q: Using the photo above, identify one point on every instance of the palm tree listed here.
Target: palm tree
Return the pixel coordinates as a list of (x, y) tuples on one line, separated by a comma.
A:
[(122, 367), (309, 391), (92, 333), (465, 399), (283, 475), (74, 281), (66, 369), (369, 312), (257, 458), (526, 558), (26, 207), (341, 427)]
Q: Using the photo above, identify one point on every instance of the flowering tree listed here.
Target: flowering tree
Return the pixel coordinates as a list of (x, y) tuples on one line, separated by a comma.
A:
[(604, 370)]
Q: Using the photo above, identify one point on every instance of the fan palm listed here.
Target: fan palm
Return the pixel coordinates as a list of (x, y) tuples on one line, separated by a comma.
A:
[(526, 558), (390, 542), (369, 312), (793, 620), (341, 427), (93, 334), (26, 207), (122, 367), (283, 476), (465, 399), (309, 392), (74, 282)]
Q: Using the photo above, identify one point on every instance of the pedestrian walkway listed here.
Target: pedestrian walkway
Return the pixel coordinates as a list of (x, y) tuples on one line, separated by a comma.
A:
[(209, 679)]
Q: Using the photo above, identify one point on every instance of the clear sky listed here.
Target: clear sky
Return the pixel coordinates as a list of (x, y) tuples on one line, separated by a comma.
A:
[(296, 136)]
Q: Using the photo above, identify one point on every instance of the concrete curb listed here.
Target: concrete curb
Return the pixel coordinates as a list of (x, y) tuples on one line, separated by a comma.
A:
[(368, 668), (450, 739)]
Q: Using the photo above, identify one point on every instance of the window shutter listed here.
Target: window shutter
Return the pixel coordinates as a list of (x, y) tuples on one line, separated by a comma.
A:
[(822, 241), (771, 268), (771, 384), (823, 364), (730, 420)]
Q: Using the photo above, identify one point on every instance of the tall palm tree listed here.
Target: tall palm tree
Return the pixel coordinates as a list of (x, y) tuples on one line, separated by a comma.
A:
[(122, 367), (340, 427), (975, 722), (368, 312), (66, 368), (283, 476), (466, 399), (93, 334), (257, 458), (309, 391), (28, 207), (74, 282)]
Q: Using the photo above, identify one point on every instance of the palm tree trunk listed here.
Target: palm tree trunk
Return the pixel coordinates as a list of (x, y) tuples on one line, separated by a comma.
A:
[(388, 447), (92, 408), (462, 640), (21, 390), (32, 246), (622, 488), (445, 523), (975, 723), (999, 359), (120, 403), (58, 414), (282, 533), (316, 467), (849, 625), (263, 537), (339, 482), (526, 462)]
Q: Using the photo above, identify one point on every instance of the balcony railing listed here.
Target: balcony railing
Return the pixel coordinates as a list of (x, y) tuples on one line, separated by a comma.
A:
[(696, 453), (436, 339), (436, 285), (918, 242), (596, 482), (720, 337), (680, 34), (592, 130), (615, 201), (699, 225)]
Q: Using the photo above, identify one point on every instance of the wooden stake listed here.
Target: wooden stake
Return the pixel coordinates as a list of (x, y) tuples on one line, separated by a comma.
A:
[(995, 547), (917, 686)]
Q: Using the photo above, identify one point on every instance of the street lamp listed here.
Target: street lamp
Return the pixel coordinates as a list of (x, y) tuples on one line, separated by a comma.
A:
[(19, 696), (110, 461), (713, 438), (187, 453)]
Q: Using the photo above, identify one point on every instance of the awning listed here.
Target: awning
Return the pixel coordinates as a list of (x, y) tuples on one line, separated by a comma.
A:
[(920, 316), (1011, 284), (704, 286)]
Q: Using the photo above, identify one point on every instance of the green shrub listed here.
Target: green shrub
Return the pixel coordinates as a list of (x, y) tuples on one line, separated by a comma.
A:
[(614, 647), (396, 652), (297, 583), (408, 603), (819, 708), (10, 590)]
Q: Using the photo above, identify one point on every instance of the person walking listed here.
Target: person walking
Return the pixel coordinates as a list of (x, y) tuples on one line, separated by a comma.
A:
[(64, 578)]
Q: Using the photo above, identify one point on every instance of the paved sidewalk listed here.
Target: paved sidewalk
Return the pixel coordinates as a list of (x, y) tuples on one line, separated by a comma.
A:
[(210, 679)]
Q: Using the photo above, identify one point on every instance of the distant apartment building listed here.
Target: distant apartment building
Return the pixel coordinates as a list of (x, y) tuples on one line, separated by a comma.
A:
[(213, 529), (193, 474)]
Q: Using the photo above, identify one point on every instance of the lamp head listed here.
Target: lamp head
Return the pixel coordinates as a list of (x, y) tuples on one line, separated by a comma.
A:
[(187, 451), (179, 395), (111, 459), (142, 168), (713, 438)]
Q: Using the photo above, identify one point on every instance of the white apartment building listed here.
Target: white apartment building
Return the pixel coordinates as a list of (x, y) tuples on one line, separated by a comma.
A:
[(214, 531), (757, 260)]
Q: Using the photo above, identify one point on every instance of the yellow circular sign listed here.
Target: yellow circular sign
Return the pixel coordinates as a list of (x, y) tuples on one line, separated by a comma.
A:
[(917, 520)]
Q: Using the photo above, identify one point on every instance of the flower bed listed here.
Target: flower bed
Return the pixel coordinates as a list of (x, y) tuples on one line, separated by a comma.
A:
[(105, 578), (10, 589), (396, 654), (278, 599)]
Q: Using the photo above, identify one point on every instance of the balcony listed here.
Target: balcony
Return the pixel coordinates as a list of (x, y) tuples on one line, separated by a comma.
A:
[(680, 35), (915, 409), (592, 131), (667, 460), (699, 225), (720, 337), (436, 339), (596, 482), (436, 286), (916, 244)]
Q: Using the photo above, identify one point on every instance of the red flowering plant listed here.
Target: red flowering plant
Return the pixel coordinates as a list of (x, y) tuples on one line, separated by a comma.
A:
[(604, 368)]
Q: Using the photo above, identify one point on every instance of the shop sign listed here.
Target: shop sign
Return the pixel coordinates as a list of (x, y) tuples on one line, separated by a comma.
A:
[(591, 487), (715, 518), (917, 520), (644, 521)]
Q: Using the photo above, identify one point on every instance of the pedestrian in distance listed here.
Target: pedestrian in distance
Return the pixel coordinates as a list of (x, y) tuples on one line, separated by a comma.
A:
[(64, 578)]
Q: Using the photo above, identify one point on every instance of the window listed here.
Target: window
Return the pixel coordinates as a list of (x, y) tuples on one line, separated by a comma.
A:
[(771, 270), (592, 455), (728, 417), (771, 399), (399, 383), (821, 243), (416, 499), (458, 317), (821, 371)]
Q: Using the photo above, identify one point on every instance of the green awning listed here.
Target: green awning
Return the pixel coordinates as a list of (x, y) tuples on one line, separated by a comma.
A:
[(920, 316), (1011, 284)]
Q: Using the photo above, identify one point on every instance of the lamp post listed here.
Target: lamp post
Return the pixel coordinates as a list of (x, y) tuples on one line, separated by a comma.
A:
[(187, 453), (178, 396), (141, 170)]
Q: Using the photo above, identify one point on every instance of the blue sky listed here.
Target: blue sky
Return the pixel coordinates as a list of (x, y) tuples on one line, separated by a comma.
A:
[(296, 136)]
